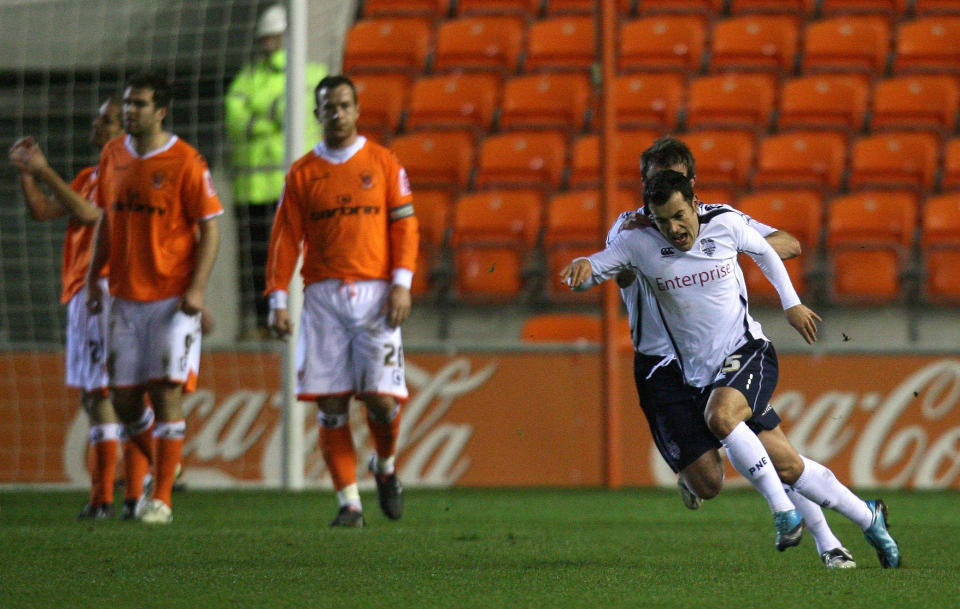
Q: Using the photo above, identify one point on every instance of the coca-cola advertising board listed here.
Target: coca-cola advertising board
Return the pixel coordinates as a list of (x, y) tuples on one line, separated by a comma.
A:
[(507, 419)]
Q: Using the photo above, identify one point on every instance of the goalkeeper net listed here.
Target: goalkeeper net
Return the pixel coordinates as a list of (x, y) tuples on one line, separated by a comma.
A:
[(59, 60)]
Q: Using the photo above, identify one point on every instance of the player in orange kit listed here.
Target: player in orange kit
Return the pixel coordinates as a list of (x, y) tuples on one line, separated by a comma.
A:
[(85, 361), (348, 203), (160, 235)]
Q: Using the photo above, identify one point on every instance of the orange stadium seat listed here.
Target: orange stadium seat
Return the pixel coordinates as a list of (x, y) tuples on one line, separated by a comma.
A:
[(849, 43), (525, 8), (951, 165), (894, 159), (940, 220), (575, 227), (433, 216), (754, 42), (799, 212), (387, 44), (649, 100), (454, 100), (707, 7), (528, 158), (761, 290), (737, 100), (791, 7), (933, 7), (493, 232), (814, 159), (865, 275), (883, 7), (558, 101), (928, 44), (395, 8), (585, 158), (872, 217), (436, 158), (382, 97), (831, 101), (663, 42), (941, 271), (561, 43), (479, 43), (917, 101), (724, 158), (714, 194)]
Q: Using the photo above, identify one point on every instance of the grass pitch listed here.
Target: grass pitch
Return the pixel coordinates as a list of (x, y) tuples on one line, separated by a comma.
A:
[(465, 548)]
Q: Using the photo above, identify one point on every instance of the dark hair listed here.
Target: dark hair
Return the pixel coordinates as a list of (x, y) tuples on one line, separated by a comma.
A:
[(659, 188), (330, 82), (162, 90), (663, 154)]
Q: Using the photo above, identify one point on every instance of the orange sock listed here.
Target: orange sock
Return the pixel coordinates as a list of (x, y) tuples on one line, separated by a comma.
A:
[(336, 444), (106, 457), (136, 465), (385, 434), (95, 482), (169, 438)]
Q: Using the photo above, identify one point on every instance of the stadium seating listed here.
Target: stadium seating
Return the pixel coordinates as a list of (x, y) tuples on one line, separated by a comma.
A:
[(813, 159), (561, 43), (895, 159), (550, 100), (707, 7), (585, 158), (583, 7), (882, 7), (382, 97), (498, 7), (759, 287), (829, 101), (933, 7), (663, 42), (493, 234), (387, 44), (928, 44), (453, 101), (397, 8), (435, 159), (527, 158), (798, 212), (915, 102), (723, 158), (735, 100), (940, 240), (489, 43), (804, 8), (868, 237), (649, 100), (754, 42), (433, 216), (951, 165), (848, 43), (940, 220)]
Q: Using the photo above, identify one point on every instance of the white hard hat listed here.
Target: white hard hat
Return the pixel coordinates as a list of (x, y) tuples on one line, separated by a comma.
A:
[(272, 22)]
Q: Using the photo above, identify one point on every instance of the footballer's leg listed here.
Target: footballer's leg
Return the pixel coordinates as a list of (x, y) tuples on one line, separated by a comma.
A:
[(105, 432), (383, 418), (340, 457), (169, 433), (789, 466), (701, 480), (138, 448), (742, 393)]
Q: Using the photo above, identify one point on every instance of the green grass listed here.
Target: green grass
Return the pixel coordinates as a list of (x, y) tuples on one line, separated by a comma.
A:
[(465, 548)]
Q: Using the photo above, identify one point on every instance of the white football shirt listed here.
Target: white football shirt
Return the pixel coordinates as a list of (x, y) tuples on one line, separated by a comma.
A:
[(700, 296)]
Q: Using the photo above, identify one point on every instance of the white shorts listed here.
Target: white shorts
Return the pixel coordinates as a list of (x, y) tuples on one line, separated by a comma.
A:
[(86, 342), (153, 341), (345, 345)]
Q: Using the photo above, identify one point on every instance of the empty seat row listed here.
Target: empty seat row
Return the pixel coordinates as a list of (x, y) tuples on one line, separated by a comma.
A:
[(490, 242), (860, 43)]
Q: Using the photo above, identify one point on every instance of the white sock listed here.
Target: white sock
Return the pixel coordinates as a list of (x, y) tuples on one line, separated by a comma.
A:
[(350, 495), (814, 520), (818, 484), (384, 467), (750, 459)]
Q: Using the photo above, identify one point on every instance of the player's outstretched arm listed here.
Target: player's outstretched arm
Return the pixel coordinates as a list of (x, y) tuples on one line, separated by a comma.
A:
[(32, 163), (804, 321)]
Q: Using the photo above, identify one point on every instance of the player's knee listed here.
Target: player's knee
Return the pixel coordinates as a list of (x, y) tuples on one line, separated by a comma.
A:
[(334, 405), (381, 407), (789, 470)]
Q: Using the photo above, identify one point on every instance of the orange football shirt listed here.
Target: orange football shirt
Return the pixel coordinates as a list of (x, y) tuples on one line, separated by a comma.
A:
[(78, 240), (154, 205), (355, 219)]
